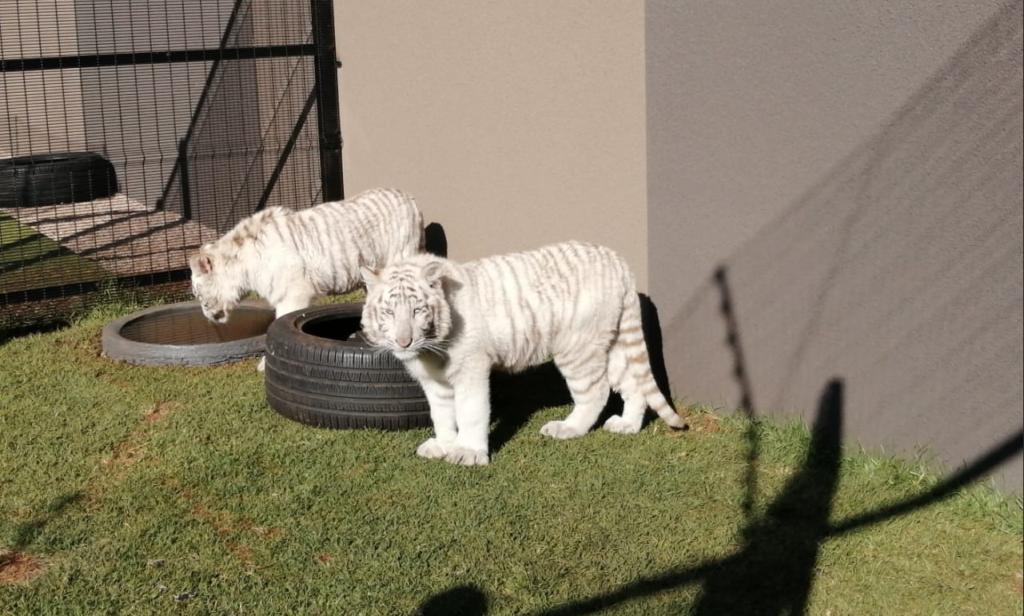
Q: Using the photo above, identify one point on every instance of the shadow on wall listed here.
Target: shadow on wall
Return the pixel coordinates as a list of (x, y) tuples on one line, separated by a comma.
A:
[(435, 241), (901, 270)]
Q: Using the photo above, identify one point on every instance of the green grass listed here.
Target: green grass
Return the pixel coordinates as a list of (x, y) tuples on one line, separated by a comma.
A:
[(124, 487), (29, 260)]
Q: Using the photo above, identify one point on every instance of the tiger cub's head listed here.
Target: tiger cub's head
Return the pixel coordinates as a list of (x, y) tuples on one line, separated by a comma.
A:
[(406, 311), (215, 283)]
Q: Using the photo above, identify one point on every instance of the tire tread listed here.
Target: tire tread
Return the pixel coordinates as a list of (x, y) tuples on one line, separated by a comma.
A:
[(341, 385)]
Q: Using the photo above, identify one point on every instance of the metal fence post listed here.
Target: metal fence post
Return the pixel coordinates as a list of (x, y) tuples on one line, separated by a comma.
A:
[(325, 69), (186, 193)]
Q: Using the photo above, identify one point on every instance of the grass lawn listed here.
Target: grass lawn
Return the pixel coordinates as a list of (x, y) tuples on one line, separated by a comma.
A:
[(140, 490), (29, 260)]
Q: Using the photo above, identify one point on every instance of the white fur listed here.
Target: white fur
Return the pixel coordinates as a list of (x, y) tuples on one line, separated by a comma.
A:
[(451, 323), (291, 258)]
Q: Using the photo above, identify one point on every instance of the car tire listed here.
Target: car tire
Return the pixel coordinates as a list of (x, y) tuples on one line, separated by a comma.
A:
[(319, 371), (49, 179)]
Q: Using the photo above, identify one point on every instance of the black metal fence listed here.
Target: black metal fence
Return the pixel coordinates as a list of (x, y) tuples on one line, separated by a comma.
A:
[(132, 132)]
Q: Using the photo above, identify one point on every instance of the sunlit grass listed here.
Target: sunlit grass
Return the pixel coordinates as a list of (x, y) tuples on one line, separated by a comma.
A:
[(140, 490), (30, 260)]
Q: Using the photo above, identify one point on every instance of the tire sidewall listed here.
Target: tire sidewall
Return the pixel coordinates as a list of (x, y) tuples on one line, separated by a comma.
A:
[(117, 347), (50, 179)]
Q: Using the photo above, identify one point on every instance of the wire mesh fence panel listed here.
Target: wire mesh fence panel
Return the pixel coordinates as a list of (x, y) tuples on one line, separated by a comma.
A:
[(133, 132)]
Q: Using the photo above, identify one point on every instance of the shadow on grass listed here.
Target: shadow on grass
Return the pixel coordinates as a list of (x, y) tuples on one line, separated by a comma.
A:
[(25, 534), (458, 601), (516, 397), (774, 571)]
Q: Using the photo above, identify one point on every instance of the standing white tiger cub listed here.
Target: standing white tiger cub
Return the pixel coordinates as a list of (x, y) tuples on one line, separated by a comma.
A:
[(451, 323), (291, 258)]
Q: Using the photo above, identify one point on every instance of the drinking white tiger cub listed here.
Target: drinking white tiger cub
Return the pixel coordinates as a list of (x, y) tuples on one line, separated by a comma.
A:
[(291, 258), (451, 323)]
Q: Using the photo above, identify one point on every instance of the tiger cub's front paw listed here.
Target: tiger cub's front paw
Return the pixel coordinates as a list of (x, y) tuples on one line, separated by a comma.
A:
[(431, 448), (467, 457), (560, 430), (619, 424)]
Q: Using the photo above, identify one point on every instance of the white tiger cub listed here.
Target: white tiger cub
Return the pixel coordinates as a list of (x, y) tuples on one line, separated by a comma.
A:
[(291, 258), (451, 323)]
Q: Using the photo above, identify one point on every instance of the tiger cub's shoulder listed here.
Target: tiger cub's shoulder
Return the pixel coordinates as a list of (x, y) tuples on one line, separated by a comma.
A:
[(380, 196), (254, 226), (578, 253)]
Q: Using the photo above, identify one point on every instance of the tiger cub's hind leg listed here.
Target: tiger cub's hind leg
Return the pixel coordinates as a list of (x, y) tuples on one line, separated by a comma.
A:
[(586, 376), (299, 296), (634, 404)]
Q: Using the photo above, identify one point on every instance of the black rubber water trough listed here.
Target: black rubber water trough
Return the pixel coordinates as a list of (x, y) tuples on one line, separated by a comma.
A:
[(179, 335)]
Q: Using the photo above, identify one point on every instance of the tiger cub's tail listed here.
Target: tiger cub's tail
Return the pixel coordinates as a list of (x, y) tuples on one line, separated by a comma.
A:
[(638, 362)]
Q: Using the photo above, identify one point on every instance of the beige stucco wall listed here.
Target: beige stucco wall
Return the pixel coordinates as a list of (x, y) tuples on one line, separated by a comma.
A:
[(515, 124), (855, 168)]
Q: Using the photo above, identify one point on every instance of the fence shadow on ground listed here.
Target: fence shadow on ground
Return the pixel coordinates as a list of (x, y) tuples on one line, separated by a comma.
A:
[(773, 572)]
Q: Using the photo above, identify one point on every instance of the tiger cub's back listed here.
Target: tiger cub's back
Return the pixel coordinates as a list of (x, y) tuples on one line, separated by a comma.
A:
[(377, 226), (546, 301), (578, 304)]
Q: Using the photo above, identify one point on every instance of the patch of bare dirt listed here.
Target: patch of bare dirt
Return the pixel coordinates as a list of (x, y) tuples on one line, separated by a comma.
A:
[(262, 531), (131, 449), (220, 521), (152, 415), (93, 346), (704, 423), (242, 553), (127, 453), (223, 522), (110, 379), (228, 524), (159, 411), (19, 567)]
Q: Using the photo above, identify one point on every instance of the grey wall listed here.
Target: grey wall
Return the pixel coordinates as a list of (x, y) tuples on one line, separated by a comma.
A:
[(854, 170)]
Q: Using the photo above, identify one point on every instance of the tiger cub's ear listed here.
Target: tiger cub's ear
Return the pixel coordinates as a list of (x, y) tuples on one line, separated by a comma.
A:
[(433, 272), (201, 263)]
